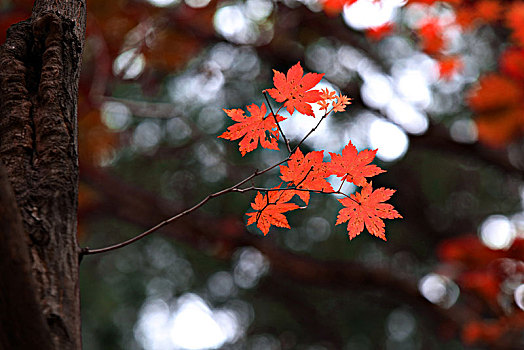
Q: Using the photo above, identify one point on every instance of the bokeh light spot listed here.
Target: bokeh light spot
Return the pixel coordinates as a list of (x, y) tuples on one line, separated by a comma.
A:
[(464, 130), (194, 326), (400, 324), (391, 141), (129, 64), (116, 116), (197, 3), (231, 22), (365, 14), (519, 296), (439, 290), (163, 3), (408, 117), (497, 232)]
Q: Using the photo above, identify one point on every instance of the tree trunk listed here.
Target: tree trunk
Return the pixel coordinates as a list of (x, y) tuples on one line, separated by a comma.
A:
[(39, 71)]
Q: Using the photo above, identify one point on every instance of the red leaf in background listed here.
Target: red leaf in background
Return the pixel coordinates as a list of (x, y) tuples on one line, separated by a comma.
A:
[(487, 95), (378, 33), (295, 89), (467, 251), (490, 331), (430, 33), (515, 21), (307, 172), (334, 7), (497, 100), (354, 166), (512, 62), (448, 66), (488, 10), (366, 208), (269, 210), (253, 129), (465, 17)]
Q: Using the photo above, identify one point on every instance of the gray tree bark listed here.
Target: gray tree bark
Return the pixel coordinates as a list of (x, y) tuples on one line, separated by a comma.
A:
[(39, 255)]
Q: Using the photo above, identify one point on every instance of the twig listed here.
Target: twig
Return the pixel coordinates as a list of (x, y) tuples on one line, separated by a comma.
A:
[(234, 188), (342, 183), (278, 125), (87, 251), (264, 189), (311, 131)]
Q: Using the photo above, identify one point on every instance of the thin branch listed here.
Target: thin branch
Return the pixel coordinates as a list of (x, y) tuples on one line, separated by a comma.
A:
[(234, 188), (262, 189), (148, 109), (311, 131), (87, 251), (339, 275), (342, 183), (278, 125)]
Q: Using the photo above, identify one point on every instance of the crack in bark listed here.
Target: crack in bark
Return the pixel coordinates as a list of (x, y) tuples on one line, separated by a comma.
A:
[(40, 63)]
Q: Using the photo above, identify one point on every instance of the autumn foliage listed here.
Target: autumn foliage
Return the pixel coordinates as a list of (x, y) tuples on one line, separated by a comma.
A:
[(485, 273), (253, 129), (433, 33), (307, 174), (170, 38)]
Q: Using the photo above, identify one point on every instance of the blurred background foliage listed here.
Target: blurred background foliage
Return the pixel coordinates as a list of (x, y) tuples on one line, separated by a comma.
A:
[(437, 87)]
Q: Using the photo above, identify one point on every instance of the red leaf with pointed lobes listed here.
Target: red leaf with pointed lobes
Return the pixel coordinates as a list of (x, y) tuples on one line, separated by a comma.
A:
[(269, 210), (340, 105), (253, 129), (306, 172), (327, 97), (326, 94), (354, 166), (366, 208), (295, 89)]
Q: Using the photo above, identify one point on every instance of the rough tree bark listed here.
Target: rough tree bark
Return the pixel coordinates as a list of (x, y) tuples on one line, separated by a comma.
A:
[(39, 71)]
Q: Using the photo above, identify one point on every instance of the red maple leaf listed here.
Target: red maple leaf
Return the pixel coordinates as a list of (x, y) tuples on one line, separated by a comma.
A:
[(269, 210), (366, 208), (327, 97), (253, 129), (326, 94), (354, 166), (342, 102), (295, 89), (306, 172)]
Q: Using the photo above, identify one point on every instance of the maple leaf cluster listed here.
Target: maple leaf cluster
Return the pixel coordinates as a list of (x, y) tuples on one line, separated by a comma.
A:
[(306, 174)]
